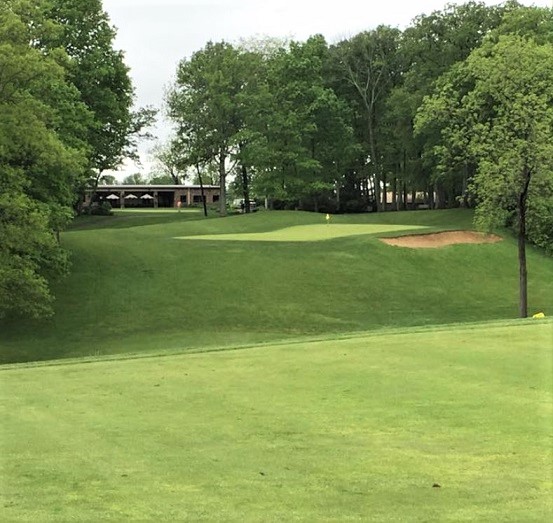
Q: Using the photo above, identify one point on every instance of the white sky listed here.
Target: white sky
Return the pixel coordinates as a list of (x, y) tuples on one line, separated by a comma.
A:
[(156, 35)]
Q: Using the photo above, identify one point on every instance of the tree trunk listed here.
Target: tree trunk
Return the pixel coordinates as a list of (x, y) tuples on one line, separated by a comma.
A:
[(523, 276), (245, 188), (81, 193), (384, 192), (202, 189), (439, 196), (395, 204), (430, 197), (523, 273), (374, 164), (222, 185), (376, 189)]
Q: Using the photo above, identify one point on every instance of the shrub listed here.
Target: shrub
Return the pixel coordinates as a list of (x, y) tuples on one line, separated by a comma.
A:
[(354, 206), (99, 209)]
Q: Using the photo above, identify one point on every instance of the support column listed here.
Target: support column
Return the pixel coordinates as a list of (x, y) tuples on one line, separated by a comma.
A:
[(156, 201), (122, 199)]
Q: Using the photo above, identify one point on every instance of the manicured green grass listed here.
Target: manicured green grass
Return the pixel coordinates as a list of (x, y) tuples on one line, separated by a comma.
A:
[(309, 233), (356, 429), (135, 288), (159, 210), (125, 218)]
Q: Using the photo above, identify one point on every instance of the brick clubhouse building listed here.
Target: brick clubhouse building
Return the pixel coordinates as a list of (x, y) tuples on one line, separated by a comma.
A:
[(153, 196)]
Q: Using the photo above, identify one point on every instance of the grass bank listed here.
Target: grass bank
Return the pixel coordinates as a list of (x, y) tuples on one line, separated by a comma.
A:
[(135, 287)]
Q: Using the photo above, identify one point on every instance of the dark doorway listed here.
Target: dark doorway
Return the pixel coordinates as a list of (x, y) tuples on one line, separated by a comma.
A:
[(166, 198)]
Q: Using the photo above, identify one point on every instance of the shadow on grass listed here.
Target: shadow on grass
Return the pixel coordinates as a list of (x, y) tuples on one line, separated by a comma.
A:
[(128, 219)]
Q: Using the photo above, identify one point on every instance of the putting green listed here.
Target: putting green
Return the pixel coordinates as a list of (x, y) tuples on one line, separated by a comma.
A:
[(307, 233)]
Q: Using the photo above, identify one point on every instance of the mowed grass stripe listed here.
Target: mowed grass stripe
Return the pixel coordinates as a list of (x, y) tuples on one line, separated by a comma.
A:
[(353, 429), (309, 233), (169, 352)]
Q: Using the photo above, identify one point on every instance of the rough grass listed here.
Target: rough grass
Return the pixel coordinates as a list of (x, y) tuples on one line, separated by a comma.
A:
[(356, 429), (135, 288)]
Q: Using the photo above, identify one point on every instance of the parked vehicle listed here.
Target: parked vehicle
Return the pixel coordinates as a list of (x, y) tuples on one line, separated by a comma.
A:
[(240, 205)]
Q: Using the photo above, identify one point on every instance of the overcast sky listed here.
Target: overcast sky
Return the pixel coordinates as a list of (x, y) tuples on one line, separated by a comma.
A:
[(156, 34)]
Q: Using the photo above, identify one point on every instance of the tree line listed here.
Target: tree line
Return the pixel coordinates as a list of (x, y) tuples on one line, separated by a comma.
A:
[(457, 109), (65, 117), (356, 125)]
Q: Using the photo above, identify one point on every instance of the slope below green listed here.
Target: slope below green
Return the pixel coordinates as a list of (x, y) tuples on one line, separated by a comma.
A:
[(135, 288)]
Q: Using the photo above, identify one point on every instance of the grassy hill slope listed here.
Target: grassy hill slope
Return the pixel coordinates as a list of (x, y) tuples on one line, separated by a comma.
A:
[(134, 287), (355, 429)]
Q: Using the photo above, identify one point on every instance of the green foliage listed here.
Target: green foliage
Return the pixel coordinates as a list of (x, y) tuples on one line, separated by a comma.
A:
[(496, 111), (272, 115), (29, 253), (170, 165), (135, 179), (160, 179), (433, 45), (65, 98), (204, 105), (100, 75), (435, 42), (303, 130), (369, 65), (534, 22), (99, 209), (42, 152), (306, 124), (540, 217)]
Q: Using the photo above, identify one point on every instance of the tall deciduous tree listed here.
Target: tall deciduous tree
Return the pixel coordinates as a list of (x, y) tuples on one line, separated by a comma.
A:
[(42, 151), (497, 111), (169, 164), (430, 47), (101, 76), (369, 64), (302, 128), (204, 104)]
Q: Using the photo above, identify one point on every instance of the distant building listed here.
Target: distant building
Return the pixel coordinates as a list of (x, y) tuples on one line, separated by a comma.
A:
[(152, 196)]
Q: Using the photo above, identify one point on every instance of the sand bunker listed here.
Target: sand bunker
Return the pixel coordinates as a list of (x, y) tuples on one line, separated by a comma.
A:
[(441, 239)]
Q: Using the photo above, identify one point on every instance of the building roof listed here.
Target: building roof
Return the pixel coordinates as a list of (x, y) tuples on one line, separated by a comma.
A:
[(146, 187)]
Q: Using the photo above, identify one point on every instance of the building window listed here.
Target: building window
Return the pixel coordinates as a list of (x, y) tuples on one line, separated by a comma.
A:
[(197, 198), (215, 198)]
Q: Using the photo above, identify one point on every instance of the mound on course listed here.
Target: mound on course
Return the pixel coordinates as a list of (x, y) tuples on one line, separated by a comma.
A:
[(134, 288), (450, 424)]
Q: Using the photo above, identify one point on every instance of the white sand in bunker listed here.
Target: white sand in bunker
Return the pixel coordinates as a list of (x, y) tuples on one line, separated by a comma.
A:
[(441, 239)]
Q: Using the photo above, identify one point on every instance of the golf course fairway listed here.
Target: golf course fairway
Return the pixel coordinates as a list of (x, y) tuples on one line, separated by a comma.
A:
[(435, 424)]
